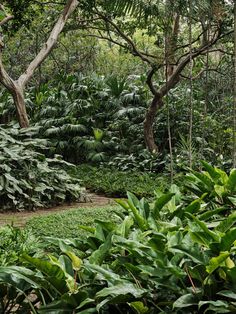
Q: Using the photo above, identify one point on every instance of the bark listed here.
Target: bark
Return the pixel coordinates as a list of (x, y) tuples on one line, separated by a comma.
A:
[(171, 43), (148, 125), (19, 100)]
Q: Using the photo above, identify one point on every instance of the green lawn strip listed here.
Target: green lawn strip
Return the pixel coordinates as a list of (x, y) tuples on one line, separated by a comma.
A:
[(66, 224)]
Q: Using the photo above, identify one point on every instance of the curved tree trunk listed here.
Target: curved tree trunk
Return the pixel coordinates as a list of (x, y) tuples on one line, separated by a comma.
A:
[(16, 87), (150, 117), (19, 100)]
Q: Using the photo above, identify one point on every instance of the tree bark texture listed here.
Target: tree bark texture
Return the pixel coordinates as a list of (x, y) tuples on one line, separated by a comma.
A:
[(148, 125), (19, 100)]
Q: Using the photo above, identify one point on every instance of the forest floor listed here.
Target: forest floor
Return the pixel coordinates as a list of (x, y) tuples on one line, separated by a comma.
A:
[(19, 219)]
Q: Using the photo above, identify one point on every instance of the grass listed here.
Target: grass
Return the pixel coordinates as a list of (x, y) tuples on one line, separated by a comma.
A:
[(66, 224)]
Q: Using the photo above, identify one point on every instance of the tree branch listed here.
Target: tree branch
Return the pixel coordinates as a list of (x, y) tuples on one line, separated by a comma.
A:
[(175, 77), (7, 16), (134, 49), (49, 45), (149, 80)]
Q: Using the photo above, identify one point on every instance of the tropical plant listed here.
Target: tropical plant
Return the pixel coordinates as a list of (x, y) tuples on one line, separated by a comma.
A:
[(14, 242), (28, 179), (150, 262)]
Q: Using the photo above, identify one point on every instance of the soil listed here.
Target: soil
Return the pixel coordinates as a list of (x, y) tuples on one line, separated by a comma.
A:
[(19, 219)]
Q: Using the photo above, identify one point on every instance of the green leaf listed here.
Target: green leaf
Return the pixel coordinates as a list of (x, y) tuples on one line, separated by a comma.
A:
[(228, 294), (226, 223), (215, 306), (204, 179), (232, 200), (160, 203), (215, 237), (121, 289), (124, 227), (216, 262), (227, 240), (98, 134), (19, 277), (139, 307), (186, 300), (76, 261), (98, 256), (142, 223), (193, 207), (211, 170), (55, 275), (105, 273), (2, 15), (123, 203), (231, 184)]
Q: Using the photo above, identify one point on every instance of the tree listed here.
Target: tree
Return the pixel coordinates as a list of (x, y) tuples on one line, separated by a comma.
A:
[(17, 87), (159, 20)]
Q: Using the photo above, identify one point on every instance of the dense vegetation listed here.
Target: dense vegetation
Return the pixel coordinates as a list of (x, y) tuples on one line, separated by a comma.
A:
[(175, 255), (132, 99)]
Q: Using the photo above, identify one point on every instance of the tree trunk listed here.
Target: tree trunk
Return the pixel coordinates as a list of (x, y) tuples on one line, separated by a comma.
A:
[(18, 96), (150, 117), (16, 87)]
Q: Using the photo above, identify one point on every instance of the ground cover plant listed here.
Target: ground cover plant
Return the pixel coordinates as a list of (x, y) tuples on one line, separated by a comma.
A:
[(174, 255), (53, 225), (115, 183)]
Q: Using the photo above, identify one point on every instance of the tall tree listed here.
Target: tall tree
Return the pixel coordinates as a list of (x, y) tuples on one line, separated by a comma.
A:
[(17, 87), (118, 21)]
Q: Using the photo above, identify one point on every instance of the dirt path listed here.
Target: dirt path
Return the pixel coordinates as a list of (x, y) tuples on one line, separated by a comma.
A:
[(20, 218)]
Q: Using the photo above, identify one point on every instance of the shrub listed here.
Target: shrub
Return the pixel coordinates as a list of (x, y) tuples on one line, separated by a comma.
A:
[(28, 179)]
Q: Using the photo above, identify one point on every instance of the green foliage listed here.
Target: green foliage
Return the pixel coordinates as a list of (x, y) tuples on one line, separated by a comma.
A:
[(115, 183), (217, 187), (147, 262), (28, 179), (14, 242), (53, 225)]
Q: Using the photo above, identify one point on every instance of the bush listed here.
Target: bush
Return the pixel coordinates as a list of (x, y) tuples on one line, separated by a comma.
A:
[(28, 179)]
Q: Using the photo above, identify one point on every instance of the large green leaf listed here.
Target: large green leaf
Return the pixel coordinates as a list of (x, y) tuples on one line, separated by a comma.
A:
[(160, 203), (140, 220), (228, 239), (186, 300), (19, 277), (216, 262), (98, 256), (54, 274), (211, 170), (227, 223), (231, 184)]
